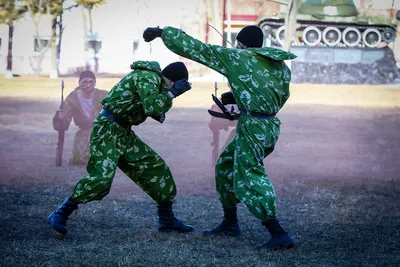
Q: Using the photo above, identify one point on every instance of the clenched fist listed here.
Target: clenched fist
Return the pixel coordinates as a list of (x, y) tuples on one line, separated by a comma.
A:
[(152, 33)]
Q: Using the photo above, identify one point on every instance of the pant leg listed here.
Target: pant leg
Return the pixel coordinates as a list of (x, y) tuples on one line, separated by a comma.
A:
[(149, 171), (255, 140), (106, 146), (224, 176)]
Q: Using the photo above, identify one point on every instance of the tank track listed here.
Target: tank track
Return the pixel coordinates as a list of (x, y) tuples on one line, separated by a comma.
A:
[(275, 24)]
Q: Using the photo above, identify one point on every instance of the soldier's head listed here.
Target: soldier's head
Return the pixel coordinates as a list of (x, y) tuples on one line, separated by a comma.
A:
[(174, 72), (249, 37), (87, 81)]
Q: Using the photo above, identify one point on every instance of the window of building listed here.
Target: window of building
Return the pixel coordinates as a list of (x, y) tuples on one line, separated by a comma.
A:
[(40, 43), (135, 46)]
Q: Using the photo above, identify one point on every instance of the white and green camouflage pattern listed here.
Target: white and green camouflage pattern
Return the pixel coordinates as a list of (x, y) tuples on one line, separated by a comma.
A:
[(138, 95), (259, 79)]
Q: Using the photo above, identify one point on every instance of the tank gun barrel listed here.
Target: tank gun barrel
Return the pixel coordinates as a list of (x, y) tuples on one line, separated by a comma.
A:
[(283, 2)]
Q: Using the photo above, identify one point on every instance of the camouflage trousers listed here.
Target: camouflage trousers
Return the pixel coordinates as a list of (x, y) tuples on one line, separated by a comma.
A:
[(239, 171), (112, 146)]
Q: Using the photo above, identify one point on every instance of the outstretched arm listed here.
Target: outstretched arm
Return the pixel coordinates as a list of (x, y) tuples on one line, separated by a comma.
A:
[(218, 58)]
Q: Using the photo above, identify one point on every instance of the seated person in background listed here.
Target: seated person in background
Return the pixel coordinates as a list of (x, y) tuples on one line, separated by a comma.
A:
[(83, 105)]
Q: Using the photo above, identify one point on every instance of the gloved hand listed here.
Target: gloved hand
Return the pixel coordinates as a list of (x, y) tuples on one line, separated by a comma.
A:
[(160, 118), (227, 98), (152, 33), (179, 87)]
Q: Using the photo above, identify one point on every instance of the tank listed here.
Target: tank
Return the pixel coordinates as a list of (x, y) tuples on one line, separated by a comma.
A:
[(332, 37)]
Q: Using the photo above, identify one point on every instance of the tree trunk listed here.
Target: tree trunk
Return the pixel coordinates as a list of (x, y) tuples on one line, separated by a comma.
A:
[(53, 45), (9, 73), (39, 58), (90, 20), (290, 23), (96, 60), (85, 37), (60, 35)]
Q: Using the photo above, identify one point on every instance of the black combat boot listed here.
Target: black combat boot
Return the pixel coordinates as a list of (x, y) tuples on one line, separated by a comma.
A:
[(58, 219), (167, 221), (228, 227), (280, 239)]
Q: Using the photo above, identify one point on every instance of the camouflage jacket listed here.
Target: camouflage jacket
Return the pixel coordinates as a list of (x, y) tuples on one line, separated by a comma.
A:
[(259, 77), (139, 94)]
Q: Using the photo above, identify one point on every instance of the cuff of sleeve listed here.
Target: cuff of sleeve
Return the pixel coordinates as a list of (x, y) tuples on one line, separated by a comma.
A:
[(171, 95), (163, 32)]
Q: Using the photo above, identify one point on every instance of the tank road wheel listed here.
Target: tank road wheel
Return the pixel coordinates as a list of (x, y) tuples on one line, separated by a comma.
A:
[(388, 35), (280, 34), (267, 30), (312, 36), (371, 37), (351, 36), (331, 36)]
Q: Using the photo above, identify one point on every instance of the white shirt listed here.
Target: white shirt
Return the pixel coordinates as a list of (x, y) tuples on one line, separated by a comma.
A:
[(87, 105)]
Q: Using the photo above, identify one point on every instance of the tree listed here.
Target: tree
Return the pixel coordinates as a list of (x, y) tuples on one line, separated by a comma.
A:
[(56, 10), (10, 11), (57, 28), (37, 10), (88, 6), (290, 23)]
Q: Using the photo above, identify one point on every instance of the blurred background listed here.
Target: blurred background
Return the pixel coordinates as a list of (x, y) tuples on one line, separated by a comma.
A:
[(355, 42)]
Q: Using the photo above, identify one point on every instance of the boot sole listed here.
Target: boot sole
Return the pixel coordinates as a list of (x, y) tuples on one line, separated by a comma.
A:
[(60, 234)]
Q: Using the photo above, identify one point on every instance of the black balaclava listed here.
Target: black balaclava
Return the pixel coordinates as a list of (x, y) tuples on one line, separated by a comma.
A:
[(176, 71), (251, 36)]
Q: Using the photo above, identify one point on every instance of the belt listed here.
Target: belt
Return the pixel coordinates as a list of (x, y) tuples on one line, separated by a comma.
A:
[(234, 116), (121, 122), (256, 114)]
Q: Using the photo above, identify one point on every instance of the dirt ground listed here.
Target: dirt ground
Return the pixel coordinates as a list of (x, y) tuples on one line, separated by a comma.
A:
[(335, 169)]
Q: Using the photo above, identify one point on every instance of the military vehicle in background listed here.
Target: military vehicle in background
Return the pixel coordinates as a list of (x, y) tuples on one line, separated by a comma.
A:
[(336, 44)]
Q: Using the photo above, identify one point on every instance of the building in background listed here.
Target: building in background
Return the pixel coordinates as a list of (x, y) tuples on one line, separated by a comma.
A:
[(118, 26)]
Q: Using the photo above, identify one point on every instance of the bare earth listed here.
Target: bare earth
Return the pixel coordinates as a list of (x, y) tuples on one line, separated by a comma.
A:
[(335, 170)]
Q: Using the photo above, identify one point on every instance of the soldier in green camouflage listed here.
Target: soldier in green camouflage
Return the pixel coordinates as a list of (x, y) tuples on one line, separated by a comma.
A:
[(259, 80), (145, 92)]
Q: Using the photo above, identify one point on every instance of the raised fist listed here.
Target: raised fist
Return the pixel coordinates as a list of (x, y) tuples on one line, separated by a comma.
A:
[(152, 33)]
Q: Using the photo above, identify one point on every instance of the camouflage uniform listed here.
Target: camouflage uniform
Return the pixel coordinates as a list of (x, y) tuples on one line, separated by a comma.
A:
[(259, 79), (138, 95)]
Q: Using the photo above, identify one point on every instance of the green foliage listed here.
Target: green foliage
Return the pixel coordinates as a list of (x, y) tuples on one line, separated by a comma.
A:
[(11, 11), (90, 4)]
